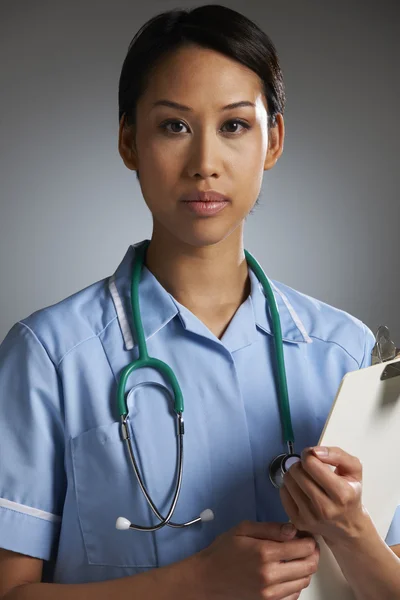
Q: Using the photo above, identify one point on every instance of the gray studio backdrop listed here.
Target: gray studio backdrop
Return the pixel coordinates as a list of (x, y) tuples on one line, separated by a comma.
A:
[(328, 224)]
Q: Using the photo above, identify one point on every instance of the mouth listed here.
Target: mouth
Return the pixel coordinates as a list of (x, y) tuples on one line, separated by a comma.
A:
[(207, 196), (205, 208), (205, 203)]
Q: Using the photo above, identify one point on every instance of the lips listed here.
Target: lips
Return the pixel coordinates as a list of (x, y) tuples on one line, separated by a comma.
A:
[(209, 196), (205, 204)]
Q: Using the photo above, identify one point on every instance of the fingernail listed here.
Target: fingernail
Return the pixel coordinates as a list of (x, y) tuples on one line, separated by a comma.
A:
[(288, 529), (321, 451)]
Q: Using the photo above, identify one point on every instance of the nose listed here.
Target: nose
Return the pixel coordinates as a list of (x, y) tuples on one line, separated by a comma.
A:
[(204, 155)]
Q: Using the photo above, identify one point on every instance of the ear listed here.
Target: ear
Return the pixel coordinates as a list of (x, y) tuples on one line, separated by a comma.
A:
[(126, 145), (276, 137)]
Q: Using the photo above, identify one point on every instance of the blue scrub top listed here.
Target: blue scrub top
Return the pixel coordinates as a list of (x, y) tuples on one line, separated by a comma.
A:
[(64, 471)]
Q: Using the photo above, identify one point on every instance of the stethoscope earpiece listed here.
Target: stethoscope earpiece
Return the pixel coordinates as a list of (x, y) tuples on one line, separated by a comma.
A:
[(122, 523)]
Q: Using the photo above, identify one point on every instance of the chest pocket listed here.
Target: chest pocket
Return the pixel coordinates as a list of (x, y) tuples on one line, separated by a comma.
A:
[(107, 488)]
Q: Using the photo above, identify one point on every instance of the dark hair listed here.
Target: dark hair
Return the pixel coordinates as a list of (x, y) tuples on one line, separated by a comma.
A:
[(211, 26)]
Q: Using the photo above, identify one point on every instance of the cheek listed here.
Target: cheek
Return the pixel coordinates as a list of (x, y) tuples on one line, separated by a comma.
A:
[(154, 155), (251, 159), (159, 171), (248, 174)]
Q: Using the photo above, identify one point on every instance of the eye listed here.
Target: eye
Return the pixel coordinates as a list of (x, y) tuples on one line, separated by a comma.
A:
[(175, 122), (171, 122), (239, 122)]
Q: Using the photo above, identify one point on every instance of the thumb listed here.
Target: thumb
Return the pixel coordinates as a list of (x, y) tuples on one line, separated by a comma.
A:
[(345, 463), (277, 532)]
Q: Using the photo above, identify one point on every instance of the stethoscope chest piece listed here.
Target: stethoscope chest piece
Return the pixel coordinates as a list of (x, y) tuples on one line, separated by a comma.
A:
[(279, 466)]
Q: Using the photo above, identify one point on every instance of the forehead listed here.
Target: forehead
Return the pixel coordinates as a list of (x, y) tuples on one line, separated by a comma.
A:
[(202, 75)]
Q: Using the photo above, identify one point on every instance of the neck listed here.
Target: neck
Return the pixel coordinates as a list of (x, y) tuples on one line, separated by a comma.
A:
[(207, 280)]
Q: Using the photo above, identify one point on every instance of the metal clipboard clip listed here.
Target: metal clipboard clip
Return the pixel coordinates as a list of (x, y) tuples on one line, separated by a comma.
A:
[(385, 350)]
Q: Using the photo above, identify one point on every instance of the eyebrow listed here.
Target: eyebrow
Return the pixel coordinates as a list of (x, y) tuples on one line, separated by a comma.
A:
[(171, 104)]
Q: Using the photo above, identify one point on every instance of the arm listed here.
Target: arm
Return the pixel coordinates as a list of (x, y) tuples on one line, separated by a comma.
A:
[(20, 577), (328, 503), (252, 560), (368, 554), (396, 549)]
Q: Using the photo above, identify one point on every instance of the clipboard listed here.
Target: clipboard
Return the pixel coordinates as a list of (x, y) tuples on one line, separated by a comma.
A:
[(365, 421)]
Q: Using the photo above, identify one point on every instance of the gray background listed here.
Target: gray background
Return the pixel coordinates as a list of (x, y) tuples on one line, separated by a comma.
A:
[(69, 208)]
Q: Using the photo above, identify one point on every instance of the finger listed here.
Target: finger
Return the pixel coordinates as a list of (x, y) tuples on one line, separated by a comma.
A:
[(305, 508), (277, 532), (292, 511), (345, 463), (309, 486), (294, 550), (294, 570), (331, 482), (280, 591), (289, 505)]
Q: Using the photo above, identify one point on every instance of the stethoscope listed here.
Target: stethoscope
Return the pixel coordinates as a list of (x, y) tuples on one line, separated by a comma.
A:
[(277, 467)]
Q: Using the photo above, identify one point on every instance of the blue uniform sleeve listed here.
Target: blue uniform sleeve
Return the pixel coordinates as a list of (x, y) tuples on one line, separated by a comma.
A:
[(369, 343), (32, 476), (393, 536)]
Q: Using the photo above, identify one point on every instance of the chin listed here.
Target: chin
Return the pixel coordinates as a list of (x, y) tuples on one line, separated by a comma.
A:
[(204, 234)]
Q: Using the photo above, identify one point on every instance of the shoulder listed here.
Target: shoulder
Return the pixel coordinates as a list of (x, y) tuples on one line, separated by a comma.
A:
[(62, 326), (328, 324)]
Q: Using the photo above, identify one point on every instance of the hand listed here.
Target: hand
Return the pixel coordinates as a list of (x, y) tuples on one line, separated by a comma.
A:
[(249, 562), (325, 502)]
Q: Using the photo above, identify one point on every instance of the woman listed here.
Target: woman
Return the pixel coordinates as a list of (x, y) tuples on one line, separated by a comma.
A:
[(201, 103)]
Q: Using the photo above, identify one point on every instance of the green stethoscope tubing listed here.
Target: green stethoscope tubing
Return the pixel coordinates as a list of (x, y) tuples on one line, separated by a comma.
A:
[(287, 429), (145, 360)]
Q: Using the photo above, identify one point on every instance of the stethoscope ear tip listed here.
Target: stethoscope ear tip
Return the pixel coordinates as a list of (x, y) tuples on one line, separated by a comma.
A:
[(207, 515), (122, 524)]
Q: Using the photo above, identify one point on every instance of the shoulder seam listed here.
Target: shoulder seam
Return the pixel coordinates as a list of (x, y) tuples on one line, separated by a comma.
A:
[(85, 340), (39, 342), (339, 345)]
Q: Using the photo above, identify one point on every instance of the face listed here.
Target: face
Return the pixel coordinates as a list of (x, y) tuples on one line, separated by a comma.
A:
[(179, 151)]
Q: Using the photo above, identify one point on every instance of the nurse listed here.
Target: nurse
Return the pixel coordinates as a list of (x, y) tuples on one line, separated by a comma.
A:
[(201, 103)]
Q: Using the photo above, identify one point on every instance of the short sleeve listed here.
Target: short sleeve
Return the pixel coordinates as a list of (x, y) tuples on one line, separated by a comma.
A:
[(32, 476), (369, 343), (393, 536)]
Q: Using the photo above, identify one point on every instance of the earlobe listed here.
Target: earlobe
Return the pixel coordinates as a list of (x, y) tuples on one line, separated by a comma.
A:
[(276, 136), (126, 146)]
